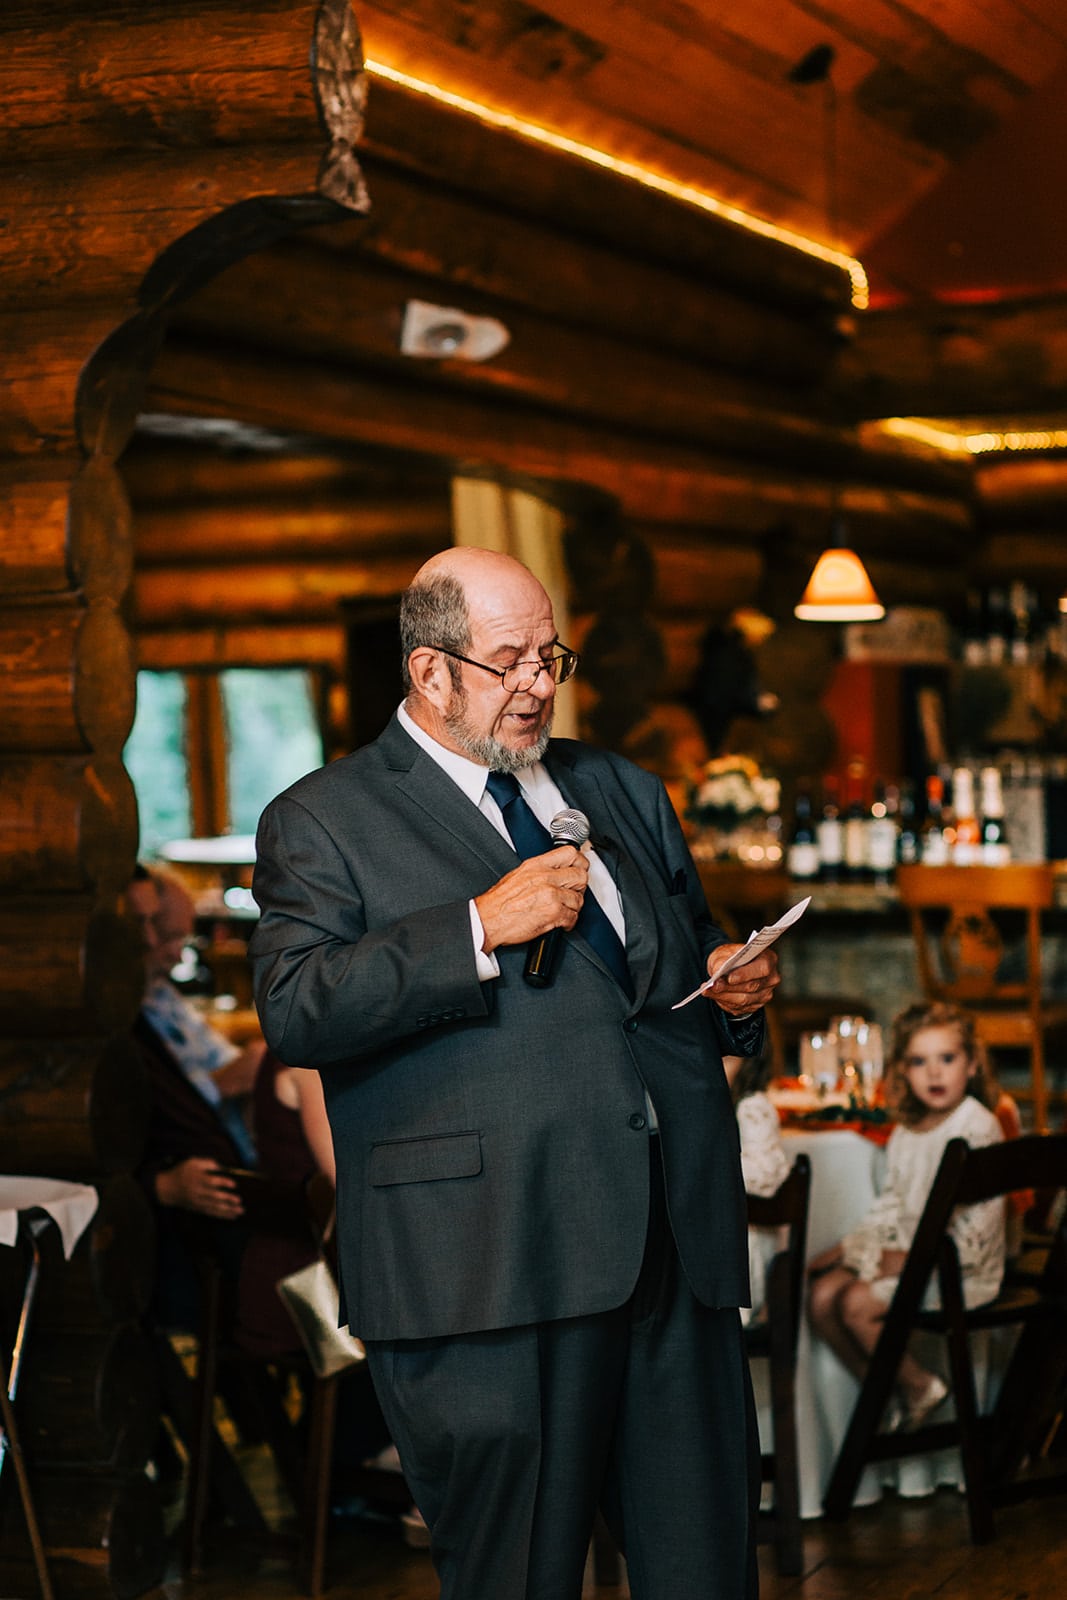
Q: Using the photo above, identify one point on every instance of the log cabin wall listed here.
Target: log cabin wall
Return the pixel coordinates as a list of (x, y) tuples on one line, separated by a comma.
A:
[(145, 146)]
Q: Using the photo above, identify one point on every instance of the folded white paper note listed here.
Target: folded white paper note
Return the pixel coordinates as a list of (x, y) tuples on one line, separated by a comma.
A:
[(758, 940)]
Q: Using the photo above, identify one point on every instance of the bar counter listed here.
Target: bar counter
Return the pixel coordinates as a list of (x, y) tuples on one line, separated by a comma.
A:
[(854, 940)]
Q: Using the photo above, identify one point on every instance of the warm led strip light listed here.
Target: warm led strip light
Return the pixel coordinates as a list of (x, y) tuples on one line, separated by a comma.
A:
[(976, 444), (629, 169)]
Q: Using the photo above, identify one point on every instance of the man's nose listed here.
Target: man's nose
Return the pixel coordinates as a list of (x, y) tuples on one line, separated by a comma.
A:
[(544, 685)]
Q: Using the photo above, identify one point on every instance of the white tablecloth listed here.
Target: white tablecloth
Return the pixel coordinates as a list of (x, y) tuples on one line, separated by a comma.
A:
[(72, 1206), (845, 1173)]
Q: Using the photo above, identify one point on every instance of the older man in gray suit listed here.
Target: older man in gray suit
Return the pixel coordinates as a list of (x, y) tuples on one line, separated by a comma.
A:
[(540, 1210)]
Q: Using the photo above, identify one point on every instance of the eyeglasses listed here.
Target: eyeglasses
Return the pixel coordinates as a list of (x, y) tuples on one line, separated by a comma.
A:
[(522, 675)]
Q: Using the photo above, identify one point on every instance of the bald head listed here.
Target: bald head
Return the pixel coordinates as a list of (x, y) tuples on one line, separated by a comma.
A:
[(468, 616), (454, 590)]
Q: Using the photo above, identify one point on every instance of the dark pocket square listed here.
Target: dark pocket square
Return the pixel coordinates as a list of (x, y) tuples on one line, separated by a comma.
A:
[(679, 882)]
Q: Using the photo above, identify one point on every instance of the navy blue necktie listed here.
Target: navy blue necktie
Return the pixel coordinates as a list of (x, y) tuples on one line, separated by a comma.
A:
[(531, 838)]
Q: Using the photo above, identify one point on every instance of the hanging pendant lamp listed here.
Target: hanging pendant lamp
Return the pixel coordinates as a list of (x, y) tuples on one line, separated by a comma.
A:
[(839, 590)]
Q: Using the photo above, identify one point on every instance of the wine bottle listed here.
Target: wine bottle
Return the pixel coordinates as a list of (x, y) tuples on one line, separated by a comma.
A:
[(803, 854), (909, 845), (829, 834), (966, 850), (995, 850), (882, 834), (935, 844), (855, 830)]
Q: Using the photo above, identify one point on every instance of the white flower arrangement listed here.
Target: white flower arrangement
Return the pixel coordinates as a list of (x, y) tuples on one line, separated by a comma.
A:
[(731, 791)]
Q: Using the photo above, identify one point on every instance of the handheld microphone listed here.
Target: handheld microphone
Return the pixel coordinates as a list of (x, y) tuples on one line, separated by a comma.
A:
[(542, 953)]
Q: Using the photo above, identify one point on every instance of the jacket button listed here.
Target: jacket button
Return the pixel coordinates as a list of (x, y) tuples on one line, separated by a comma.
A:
[(637, 1122), (630, 1025)]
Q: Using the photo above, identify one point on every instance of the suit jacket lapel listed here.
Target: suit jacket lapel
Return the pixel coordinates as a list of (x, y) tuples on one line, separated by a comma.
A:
[(421, 783), (580, 787)]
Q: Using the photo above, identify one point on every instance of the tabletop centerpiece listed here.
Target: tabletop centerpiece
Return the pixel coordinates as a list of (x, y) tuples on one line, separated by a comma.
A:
[(732, 807)]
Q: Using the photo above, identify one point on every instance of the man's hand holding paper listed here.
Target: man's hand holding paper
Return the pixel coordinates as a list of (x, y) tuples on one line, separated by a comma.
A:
[(743, 977), (746, 988)]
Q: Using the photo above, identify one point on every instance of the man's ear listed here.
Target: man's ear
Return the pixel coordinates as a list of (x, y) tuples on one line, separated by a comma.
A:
[(429, 674)]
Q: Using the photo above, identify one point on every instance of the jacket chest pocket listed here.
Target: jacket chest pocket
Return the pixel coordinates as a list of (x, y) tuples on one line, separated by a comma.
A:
[(452, 1155)]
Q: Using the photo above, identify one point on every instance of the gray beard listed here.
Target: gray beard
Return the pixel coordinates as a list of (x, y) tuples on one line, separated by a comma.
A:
[(489, 752)]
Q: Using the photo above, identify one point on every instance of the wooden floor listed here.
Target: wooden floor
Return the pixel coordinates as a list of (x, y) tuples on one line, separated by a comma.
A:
[(899, 1550)]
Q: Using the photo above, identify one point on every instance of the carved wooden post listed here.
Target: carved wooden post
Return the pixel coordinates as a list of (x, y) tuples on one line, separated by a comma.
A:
[(144, 152)]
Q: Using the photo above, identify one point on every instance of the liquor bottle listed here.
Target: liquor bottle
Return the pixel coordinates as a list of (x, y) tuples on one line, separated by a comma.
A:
[(909, 844), (802, 857), (934, 843), (998, 623), (882, 834), (995, 850), (1019, 642), (855, 827), (966, 851), (830, 834)]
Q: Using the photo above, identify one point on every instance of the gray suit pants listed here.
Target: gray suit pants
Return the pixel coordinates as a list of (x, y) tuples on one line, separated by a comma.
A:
[(511, 1439)]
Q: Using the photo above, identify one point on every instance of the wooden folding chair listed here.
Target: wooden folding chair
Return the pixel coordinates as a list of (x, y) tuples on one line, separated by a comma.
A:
[(1007, 1454), (957, 917), (774, 1337)]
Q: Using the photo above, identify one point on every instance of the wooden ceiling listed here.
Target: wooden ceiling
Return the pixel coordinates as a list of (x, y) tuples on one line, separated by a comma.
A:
[(708, 384), (931, 149)]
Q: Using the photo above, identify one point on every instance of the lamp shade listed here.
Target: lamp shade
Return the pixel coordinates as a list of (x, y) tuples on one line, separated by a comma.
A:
[(839, 590)]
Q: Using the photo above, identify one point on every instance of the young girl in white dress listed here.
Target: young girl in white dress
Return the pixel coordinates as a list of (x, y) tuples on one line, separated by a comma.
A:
[(939, 1085), (764, 1163)]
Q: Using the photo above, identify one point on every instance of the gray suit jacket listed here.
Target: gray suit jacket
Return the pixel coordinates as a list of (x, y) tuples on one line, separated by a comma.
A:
[(491, 1138)]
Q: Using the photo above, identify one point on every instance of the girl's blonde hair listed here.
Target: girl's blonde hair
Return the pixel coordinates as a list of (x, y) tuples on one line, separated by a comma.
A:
[(935, 1014)]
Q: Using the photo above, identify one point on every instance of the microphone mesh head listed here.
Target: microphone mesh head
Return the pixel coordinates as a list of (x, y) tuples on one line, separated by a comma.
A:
[(569, 827)]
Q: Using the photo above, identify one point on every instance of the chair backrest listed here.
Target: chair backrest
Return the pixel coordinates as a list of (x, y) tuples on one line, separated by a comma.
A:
[(959, 943), (965, 1177), (787, 1208)]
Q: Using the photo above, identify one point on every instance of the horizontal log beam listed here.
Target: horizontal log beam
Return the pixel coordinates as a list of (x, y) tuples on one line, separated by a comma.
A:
[(76, 1108), (68, 679), (971, 361), (306, 303), (1022, 490), (651, 479), (264, 645), (1039, 556), (67, 967), (441, 236), (415, 133), (42, 354), (303, 529), (65, 820), (187, 74), (297, 591), (91, 232)]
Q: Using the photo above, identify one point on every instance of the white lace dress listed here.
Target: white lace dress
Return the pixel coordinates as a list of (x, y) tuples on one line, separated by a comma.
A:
[(912, 1162), (764, 1167)]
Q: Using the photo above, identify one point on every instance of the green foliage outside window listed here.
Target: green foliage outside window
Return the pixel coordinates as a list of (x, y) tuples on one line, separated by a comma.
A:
[(272, 738), (155, 758)]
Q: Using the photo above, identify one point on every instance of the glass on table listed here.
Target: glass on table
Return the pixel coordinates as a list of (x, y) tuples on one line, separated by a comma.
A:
[(847, 1030), (819, 1068), (870, 1059)]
